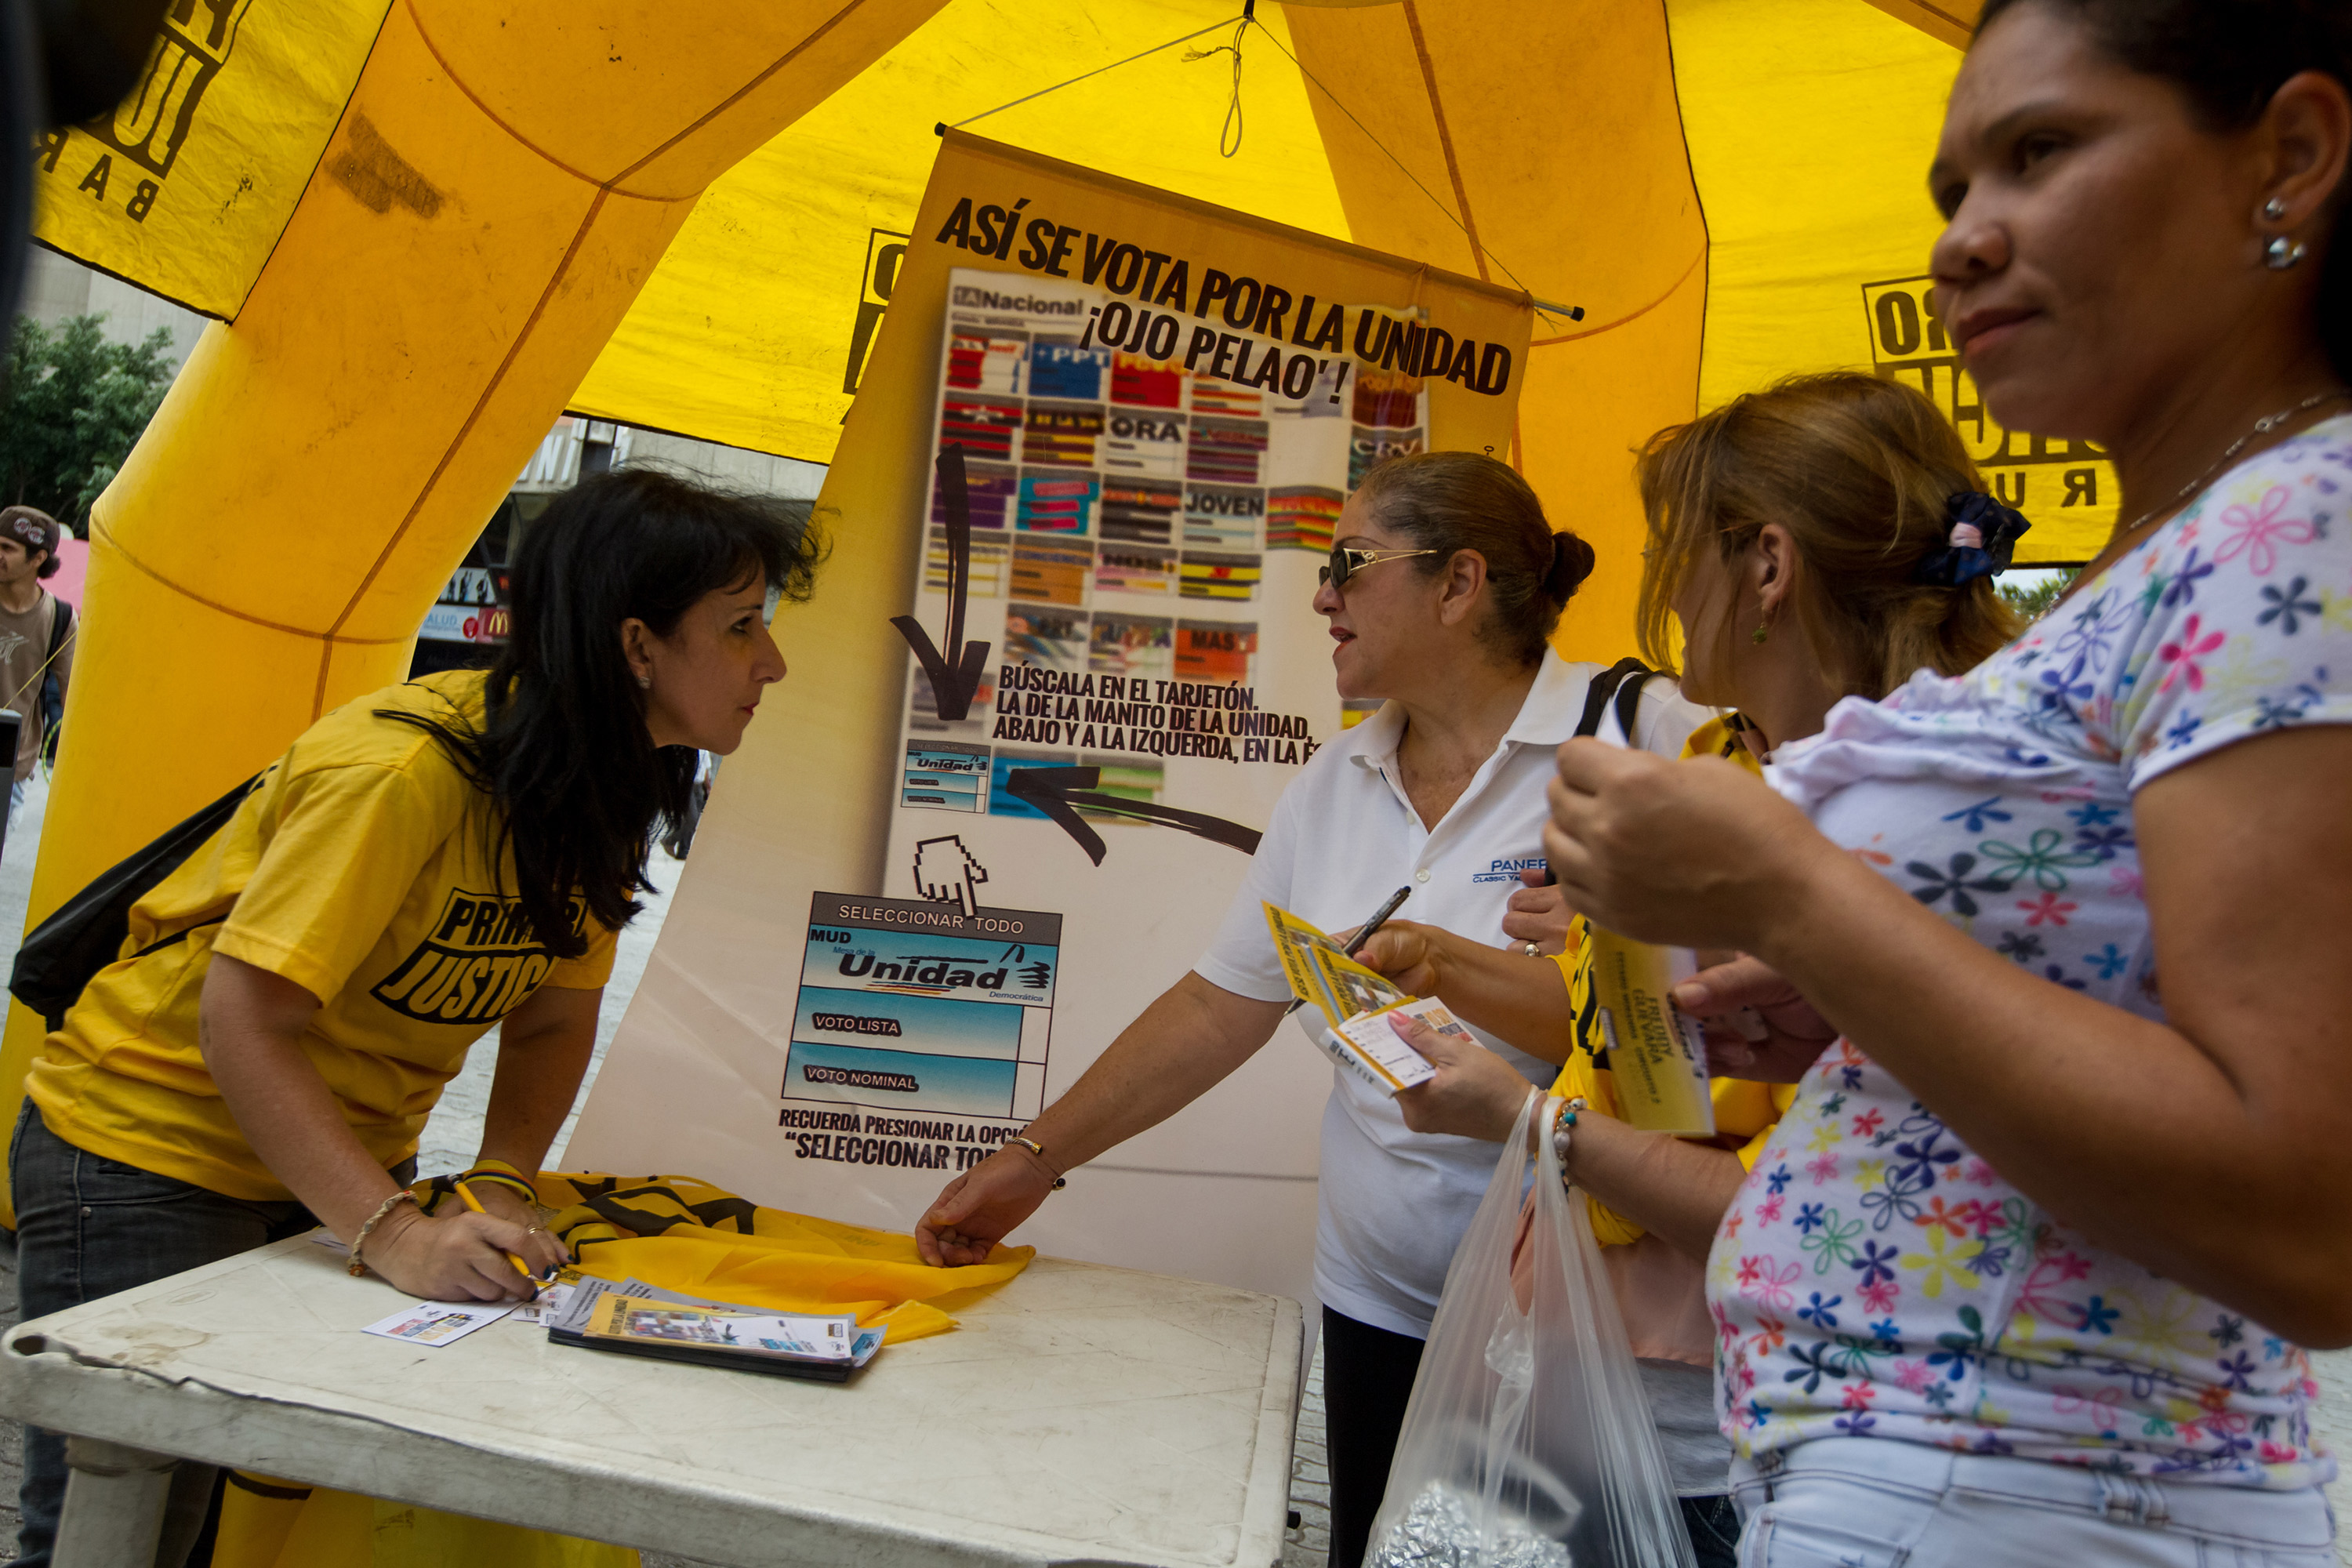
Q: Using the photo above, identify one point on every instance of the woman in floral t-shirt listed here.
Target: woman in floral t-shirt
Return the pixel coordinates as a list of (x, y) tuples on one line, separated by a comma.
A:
[(2025, 1273)]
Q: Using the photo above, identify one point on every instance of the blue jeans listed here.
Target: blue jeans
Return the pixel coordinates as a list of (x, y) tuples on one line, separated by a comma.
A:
[(1873, 1502), (89, 1226)]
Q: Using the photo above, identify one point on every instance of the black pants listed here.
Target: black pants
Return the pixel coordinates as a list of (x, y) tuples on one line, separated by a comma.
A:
[(1368, 1376), (1367, 1379), (1714, 1527), (87, 1227)]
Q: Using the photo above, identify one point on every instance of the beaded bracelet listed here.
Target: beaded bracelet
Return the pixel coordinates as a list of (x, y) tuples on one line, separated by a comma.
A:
[(355, 1268), (1562, 1126)]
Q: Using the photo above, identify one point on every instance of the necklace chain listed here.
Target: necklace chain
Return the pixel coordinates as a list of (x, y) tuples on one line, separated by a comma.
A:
[(2263, 426)]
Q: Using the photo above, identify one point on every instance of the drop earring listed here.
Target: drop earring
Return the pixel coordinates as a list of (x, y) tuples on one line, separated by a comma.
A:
[(1763, 629), (2283, 253)]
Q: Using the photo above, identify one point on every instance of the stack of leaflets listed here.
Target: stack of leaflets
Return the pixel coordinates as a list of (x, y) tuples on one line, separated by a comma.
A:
[(637, 1319), (1356, 1004)]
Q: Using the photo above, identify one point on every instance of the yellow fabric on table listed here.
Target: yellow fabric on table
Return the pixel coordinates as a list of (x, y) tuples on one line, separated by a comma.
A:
[(1745, 1112), (676, 1232), (688, 1236)]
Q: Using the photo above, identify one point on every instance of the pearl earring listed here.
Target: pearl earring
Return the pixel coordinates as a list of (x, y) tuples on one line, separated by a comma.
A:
[(2274, 209), (2283, 253), (646, 682)]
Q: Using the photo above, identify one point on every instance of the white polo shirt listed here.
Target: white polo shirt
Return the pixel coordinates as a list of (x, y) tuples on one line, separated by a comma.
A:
[(1393, 1203)]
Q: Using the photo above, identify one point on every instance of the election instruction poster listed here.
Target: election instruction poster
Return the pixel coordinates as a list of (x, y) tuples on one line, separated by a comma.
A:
[(1062, 664)]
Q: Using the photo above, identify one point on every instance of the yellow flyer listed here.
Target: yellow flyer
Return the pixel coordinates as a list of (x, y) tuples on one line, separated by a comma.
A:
[(1656, 1051), (1320, 972)]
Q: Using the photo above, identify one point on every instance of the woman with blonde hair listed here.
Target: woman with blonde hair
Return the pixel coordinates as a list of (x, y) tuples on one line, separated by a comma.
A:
[(1819, 540)]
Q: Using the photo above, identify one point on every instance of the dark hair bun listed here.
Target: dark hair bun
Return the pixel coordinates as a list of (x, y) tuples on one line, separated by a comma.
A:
[(1571, 563)]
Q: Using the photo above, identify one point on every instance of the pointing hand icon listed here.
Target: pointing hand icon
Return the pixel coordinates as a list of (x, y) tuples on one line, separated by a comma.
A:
[(945, 873)]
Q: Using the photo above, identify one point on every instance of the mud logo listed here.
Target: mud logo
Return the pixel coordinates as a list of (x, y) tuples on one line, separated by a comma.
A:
[(481, 960)]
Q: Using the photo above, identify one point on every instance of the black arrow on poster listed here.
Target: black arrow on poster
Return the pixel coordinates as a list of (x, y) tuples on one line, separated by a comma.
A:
[(951, 690), (1058, 791)]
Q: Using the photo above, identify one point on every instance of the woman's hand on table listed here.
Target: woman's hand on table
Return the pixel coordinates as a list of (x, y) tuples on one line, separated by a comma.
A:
[(1794, 1033), (978, 1208), (502, 1202), (1697, 853), (1476, 1094), (461, 1257)]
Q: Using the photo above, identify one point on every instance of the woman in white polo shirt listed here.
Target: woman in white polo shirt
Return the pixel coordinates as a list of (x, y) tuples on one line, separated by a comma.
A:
[(1446, 583)]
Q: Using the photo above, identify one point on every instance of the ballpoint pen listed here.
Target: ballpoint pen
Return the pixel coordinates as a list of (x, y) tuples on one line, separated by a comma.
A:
[(1364, 932)]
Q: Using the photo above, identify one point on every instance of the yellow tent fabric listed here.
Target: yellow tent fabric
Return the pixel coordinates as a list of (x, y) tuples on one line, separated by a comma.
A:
[(773, 366), (187, 185), (683, 214)]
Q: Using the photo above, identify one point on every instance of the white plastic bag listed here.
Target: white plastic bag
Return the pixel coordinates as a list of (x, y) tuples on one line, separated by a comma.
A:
[(1528, 1442)]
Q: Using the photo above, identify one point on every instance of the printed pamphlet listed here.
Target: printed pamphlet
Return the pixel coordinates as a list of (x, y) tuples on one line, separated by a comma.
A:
[(736, 1330), (1355, 1002), (439, 1322), (1321, 970), (1394, 1064), (711, 1334), (1657, 1052)]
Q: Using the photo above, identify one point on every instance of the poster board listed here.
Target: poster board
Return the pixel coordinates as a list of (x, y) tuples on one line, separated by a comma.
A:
[(932, 887)]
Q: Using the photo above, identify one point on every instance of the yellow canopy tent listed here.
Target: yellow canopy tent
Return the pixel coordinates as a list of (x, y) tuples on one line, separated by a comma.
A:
[(429, 228)]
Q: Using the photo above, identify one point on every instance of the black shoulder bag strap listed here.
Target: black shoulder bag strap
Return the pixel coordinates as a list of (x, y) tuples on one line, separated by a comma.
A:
[(88, 931), (61, 620), (1622, 680)]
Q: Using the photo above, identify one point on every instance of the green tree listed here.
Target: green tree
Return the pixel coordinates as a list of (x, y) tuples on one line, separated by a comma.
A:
[(71, 408), (2031, 603)]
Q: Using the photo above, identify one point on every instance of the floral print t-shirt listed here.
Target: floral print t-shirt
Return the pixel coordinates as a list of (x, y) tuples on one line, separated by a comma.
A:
[(1874, 1277)]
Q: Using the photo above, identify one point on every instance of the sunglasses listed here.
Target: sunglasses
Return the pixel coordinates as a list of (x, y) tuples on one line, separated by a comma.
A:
[(1346, 563)]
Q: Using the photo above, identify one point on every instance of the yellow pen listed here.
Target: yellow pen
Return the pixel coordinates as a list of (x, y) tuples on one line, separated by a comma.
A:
[(475, 1205)]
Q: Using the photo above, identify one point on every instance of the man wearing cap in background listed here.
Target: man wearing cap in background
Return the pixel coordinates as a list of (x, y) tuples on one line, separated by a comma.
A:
[(33, 626)]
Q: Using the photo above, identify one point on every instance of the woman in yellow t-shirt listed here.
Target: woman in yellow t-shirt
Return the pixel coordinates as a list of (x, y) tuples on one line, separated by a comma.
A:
[(424, 864), (1788, 531)]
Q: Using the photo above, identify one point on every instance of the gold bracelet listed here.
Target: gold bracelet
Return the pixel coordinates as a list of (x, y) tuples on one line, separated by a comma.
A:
[(355, 1268), (1039, 1150)]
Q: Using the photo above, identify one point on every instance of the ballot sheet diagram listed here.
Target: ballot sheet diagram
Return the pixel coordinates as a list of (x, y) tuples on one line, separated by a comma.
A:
[(915, 1006)]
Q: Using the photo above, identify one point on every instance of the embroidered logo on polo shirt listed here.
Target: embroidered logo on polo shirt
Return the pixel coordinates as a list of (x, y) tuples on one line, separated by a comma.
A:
[(481, 960), (1508, 869)]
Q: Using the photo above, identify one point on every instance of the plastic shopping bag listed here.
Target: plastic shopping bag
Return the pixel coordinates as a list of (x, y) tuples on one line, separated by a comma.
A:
[(1528, 1442)]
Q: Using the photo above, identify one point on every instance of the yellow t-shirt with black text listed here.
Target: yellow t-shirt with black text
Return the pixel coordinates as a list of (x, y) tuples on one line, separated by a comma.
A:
[(358, 869)]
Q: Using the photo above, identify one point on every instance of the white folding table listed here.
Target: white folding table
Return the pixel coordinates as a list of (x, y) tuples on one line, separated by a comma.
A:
[(1081, 1415)]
